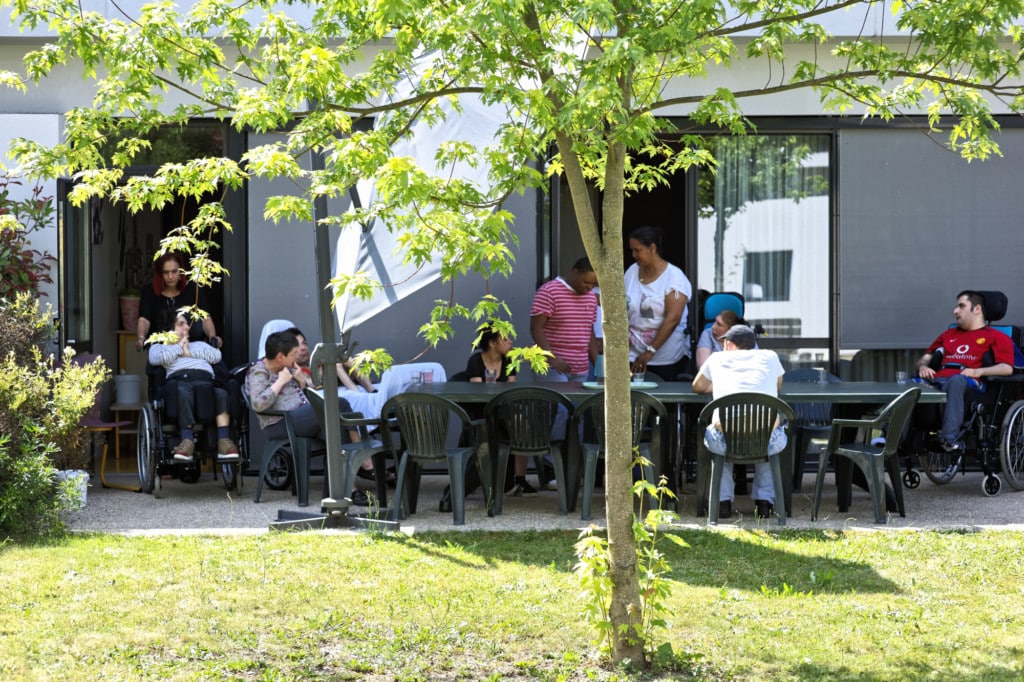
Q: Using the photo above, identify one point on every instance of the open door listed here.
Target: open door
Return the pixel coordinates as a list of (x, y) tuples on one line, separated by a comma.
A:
[(74, 248)]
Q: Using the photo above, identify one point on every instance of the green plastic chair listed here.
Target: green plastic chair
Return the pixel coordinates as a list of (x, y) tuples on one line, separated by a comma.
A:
[(423, 422), (302, 452), (747, 420), (649, 416), (340, 477), (873, 460), (520, 420)]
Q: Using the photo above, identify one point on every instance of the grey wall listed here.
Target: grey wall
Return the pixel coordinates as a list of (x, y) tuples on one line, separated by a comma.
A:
[(917, 224)]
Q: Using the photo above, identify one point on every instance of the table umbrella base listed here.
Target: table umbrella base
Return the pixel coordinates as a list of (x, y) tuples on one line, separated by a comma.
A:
[(296, 520)]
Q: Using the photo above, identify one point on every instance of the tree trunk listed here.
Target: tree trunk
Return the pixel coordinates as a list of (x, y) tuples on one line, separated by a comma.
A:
[(606, 255)]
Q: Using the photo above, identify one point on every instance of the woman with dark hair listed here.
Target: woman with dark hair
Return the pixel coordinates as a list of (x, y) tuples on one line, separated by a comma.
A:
[(490, 363), (656, 296), (159, 304)]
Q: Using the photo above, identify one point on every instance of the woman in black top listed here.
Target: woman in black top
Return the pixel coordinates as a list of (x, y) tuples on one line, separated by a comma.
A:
[(171, 291), (493, 356)]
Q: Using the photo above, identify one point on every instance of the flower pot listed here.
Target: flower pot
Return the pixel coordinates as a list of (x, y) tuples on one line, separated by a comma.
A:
[(73, 497), (129, 312)]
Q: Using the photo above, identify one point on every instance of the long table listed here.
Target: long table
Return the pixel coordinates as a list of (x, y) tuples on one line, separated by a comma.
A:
[(848, 395)]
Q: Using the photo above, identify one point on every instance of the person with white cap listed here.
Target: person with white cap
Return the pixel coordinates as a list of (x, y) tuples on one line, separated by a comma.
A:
[(742, 368)]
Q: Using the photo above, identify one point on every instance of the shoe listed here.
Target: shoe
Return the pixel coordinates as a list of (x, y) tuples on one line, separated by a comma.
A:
[(368, 475), (522, 488), (552, 484), (763, 509), (227, 451), (952, 446), (359, 498), (725, 509), (184, 450)]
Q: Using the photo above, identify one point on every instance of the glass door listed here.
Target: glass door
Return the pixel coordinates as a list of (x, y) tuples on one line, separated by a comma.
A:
[(75, 253)]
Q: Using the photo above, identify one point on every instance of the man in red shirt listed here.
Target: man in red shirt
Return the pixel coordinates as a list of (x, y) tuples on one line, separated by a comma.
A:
[(961, 351)]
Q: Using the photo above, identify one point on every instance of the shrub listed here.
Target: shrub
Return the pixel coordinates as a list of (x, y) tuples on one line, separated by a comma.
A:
[(23, 269), (41, 404)]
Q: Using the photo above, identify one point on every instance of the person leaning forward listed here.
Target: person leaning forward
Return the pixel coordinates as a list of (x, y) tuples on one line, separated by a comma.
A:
[(742, 368)]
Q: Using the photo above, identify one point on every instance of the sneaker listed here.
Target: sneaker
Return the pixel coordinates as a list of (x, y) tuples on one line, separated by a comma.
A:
[(184, 450), (952, 446), (359, 498), (522, 488), (763, 509), (227, 451), (552, 484)]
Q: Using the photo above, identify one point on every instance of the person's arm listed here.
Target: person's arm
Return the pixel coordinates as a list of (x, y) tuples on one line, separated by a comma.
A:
[(204, 351), (210, 329), (701, 384), (1000, 369), (537, 331), (345, 379), (675, 303), (141, 332), (702, 355), (924, 369)]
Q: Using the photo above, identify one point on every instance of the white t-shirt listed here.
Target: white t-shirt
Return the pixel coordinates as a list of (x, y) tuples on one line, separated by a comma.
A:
[(743, 371), (645, 307)]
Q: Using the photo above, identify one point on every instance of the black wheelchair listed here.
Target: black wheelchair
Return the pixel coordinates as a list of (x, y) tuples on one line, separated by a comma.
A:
[(158, 431), (993, 428)]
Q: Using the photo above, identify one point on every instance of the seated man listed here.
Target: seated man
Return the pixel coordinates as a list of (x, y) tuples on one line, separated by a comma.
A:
[(276, 383), (343, 369), (187, 362), (960, 353), (742, 368)]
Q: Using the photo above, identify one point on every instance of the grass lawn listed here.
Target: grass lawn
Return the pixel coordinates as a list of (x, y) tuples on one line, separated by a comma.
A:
[(746, 605)]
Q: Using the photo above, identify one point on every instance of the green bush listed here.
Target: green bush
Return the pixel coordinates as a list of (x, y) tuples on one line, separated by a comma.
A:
[(41, 403), (23, 269)]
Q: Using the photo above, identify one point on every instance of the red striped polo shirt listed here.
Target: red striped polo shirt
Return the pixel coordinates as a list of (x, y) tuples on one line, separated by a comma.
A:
[(570, 321)]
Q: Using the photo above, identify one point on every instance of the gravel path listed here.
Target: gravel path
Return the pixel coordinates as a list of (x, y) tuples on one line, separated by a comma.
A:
[(207, 508)]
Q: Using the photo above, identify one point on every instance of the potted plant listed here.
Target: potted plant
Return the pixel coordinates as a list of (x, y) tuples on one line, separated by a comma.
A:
[(129, 304)]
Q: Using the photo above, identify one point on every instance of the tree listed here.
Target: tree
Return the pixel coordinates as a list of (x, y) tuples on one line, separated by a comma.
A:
[(582, 81)]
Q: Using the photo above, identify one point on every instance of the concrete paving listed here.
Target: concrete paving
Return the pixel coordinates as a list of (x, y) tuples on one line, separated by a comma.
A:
[(206, 507)]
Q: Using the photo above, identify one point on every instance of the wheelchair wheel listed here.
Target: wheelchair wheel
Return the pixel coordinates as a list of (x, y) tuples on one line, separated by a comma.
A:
[(990, 485), (911, 479), (1011, 447), (279, 471), (940, 467), (229, 473), (146, 447)]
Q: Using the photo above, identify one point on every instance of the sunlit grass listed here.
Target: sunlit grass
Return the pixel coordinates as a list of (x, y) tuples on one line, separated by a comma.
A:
[(745, 605)]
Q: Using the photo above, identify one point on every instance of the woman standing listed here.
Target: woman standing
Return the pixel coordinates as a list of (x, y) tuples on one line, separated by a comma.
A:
[(656, 296), (171, 291)]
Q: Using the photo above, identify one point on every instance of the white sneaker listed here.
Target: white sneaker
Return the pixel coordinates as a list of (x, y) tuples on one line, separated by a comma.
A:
[(552, 484)]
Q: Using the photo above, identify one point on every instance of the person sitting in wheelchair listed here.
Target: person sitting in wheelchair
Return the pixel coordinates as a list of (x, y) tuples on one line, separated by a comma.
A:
[(187, 362), (956, 362)]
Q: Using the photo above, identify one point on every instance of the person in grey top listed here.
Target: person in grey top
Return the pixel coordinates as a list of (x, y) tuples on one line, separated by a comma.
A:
[(187, 362)]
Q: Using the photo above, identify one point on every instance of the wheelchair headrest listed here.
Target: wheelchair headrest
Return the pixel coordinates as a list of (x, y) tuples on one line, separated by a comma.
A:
[(995, 305), (716, 302)]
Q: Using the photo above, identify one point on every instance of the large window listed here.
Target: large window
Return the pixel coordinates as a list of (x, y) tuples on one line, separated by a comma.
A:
[(763, 230)]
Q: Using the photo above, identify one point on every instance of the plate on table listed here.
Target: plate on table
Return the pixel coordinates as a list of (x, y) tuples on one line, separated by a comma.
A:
[(593, 385)]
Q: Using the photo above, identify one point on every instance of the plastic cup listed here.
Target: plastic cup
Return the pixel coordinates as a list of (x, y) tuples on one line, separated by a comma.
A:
[(901, 377), (822, 375), (490, 375), (639, 377), (428, 376)]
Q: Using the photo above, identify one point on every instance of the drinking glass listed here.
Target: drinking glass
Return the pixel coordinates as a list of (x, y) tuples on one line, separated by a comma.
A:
[(490, 375)]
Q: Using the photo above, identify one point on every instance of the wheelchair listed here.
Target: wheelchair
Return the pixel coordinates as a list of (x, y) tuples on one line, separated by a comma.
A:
[(158, 431), (993, 428)]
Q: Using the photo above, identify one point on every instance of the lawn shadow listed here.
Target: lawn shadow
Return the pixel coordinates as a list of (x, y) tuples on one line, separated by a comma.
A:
[(740, 560)]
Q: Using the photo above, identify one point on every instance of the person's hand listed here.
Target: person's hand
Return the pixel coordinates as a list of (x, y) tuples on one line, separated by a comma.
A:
[(302, 379), (640, 364), (926, 372), (283, 377), (560, 365), (972, 372), (139, 343)]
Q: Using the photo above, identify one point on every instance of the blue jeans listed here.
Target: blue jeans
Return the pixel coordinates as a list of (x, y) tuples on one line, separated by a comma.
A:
[(957, 392), (562, 418), (764, 487)]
